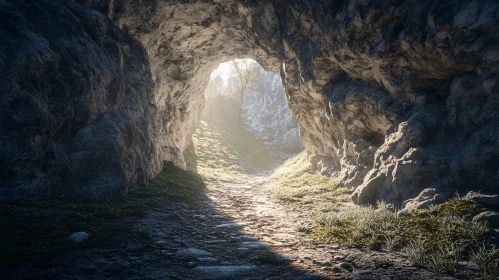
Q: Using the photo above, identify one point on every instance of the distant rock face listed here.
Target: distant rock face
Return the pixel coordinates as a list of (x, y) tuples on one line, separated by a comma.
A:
[(400, 96), (266, 114)]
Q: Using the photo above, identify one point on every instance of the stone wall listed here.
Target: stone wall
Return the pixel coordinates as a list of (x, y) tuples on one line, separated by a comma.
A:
[(398, 96)]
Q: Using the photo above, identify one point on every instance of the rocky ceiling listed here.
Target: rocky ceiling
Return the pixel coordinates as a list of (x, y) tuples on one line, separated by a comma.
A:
[(391, 96)]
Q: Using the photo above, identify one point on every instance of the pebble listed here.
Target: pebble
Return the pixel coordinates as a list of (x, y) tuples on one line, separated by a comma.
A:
[(191, 253), (126, 265), (161, 243), (254, 245), (78, 237), (241, 252), (345, 266), (339, 258), (90, 268), (114, 267), (208, 259), (225, 271)]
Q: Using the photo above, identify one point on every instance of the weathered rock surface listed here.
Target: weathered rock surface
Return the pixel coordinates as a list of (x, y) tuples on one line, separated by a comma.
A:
[(491, 217), (266, 114), (78, 237), (400, 95), (427, 198), (484, 200), (75, 98)]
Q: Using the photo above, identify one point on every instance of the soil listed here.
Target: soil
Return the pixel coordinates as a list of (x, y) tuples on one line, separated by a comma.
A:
[(237, 231)]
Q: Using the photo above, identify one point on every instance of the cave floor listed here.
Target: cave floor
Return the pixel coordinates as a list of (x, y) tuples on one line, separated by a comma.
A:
[(238, 230)]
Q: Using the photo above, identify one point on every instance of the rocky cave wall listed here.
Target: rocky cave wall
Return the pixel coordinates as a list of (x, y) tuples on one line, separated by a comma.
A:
[(392, 96), (266, 114)]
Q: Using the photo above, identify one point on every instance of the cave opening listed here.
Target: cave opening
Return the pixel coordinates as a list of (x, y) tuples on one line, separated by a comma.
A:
[(246, 125)]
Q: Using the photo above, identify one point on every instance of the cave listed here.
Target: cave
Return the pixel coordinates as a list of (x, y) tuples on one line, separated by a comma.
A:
[(396, 100)]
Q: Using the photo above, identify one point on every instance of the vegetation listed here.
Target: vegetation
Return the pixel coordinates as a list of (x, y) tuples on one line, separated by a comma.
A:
[(296, 183), (36, 230), (486, 257), (437, 238), (244, 76), (222, 154)]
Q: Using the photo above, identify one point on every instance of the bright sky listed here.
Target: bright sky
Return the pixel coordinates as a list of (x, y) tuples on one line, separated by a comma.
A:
[(223, 70)]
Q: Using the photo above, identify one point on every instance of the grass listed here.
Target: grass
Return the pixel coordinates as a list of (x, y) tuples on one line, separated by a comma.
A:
[(297, 184), (436, 238), (35, 230), (486, 257)]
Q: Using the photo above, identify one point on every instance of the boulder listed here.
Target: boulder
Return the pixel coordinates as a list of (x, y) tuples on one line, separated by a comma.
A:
[(491, 217), (78, 237), (484, 200), (428, 197)]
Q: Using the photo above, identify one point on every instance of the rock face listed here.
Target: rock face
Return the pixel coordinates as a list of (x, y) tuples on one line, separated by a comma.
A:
[(399, 96), (75, 99), (266, 114)]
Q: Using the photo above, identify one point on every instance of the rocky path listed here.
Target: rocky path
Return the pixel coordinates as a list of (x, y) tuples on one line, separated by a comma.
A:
[(238, 231)]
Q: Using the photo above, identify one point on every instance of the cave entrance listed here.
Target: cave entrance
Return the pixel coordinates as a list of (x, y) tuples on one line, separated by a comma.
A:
[(246, 125)]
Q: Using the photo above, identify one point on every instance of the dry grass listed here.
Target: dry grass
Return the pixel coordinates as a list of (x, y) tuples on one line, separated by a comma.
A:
[(437, 238), (296, 183)]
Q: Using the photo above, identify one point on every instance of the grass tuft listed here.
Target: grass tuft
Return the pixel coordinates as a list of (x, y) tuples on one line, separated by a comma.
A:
[(436, 238)]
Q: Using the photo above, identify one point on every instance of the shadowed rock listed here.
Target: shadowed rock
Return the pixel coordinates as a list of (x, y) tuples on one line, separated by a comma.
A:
[(400, 96)]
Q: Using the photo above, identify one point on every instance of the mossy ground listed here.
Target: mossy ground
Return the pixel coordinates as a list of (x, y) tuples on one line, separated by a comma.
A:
[(221, 153), (296, 183), (36, 230)]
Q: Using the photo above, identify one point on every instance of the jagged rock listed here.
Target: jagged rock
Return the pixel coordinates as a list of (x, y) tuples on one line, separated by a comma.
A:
[(267, 115), (75, 100), (400, 95), (491, 217), (425, 199), (484, 200)]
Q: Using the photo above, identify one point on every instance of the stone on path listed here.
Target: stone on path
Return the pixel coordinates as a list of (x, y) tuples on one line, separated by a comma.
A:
[(242, 252), (207, 259), (225, 271), (114, 267), (161, 243), (339, 258), (191, 253), (78, 237), (254, 245)]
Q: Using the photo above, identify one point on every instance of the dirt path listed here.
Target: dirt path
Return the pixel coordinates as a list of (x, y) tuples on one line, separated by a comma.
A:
[(238, 231)]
